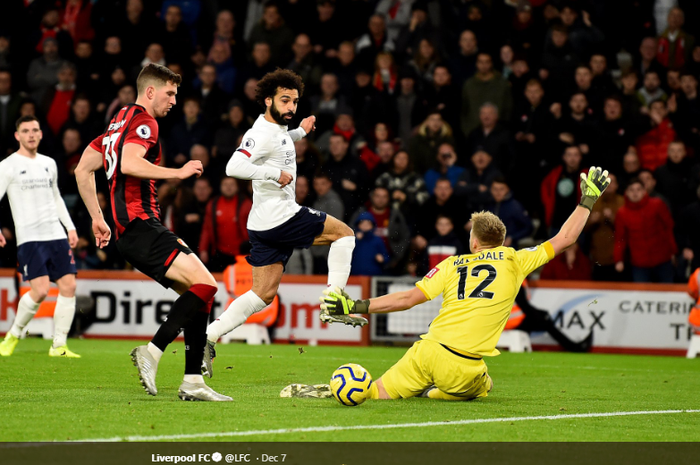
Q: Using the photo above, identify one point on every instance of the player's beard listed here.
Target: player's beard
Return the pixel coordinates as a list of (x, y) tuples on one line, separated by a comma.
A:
[(278, 117)]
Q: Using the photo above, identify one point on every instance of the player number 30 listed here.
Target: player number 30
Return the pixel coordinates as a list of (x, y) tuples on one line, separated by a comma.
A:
[(110, 155)]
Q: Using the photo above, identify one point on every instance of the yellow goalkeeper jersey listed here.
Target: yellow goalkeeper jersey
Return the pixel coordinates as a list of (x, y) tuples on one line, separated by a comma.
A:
[(478, 293)]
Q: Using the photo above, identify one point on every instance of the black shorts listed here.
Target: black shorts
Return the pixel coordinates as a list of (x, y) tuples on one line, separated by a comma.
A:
[(151, 248), (277, 244), (45, 258)]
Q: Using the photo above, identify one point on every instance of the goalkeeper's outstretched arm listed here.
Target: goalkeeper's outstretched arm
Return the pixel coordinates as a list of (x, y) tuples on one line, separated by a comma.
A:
[(592, 187), (396, 301), (570, 231), (338, 302)]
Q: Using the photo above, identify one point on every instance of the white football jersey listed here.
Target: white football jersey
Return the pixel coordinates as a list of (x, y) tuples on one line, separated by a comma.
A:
[(270, 148), (37, 207)]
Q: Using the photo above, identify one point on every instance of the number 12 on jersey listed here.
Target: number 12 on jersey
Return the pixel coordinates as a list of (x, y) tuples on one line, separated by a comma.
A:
[(478, 292), (110, 154)]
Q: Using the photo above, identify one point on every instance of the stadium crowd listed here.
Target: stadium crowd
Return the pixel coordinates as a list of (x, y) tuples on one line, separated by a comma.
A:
[(426, 111)]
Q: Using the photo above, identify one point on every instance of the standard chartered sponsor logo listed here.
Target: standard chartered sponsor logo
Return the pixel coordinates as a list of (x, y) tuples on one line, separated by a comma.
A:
[(35, 183)]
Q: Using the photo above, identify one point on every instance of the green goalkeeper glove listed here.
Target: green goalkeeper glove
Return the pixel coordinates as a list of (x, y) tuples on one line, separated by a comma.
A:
[(338, 302), (593, 186)]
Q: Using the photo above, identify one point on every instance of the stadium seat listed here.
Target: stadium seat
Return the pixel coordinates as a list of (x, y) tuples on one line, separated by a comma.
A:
[(694, 347), (515, 341)]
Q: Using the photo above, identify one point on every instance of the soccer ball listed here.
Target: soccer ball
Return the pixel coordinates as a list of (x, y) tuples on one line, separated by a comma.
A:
[(350, 384)]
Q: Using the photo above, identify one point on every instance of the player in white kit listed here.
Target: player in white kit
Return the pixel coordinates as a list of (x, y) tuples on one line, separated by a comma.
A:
[(44, 255), (277, 224)]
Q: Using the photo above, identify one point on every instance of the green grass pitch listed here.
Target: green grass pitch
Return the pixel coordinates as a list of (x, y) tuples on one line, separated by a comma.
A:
[(542, 396)]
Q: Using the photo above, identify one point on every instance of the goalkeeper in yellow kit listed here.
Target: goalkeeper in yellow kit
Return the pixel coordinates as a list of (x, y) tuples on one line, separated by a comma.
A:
[(478, 292)]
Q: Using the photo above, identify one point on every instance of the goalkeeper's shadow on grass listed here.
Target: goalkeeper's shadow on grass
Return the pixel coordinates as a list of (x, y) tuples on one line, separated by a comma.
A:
[(540, 320)]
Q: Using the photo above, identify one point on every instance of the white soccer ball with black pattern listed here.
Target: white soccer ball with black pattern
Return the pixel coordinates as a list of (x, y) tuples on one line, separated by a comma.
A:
[(350, 384)]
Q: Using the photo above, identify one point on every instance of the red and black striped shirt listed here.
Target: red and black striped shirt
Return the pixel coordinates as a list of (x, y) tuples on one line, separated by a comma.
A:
[(130, 197)]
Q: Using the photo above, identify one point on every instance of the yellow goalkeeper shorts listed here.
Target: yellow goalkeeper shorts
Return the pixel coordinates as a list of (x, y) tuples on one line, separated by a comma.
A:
[(428, 363)]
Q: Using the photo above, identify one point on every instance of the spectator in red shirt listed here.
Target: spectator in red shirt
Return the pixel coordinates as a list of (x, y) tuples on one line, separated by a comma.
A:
[(75, 19), (49, 28), (57, 102), (222, 236), (644, 226), (572, 265), (370, 151), (560, 189), (385, 73), (652, 147), (675, 44)]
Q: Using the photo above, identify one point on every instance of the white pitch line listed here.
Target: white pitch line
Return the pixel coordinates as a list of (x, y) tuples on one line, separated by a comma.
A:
[(316, 429), (598, 368)]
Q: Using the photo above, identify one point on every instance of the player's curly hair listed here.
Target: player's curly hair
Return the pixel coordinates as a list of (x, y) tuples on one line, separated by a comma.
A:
[(488, 229), (278, 79)]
